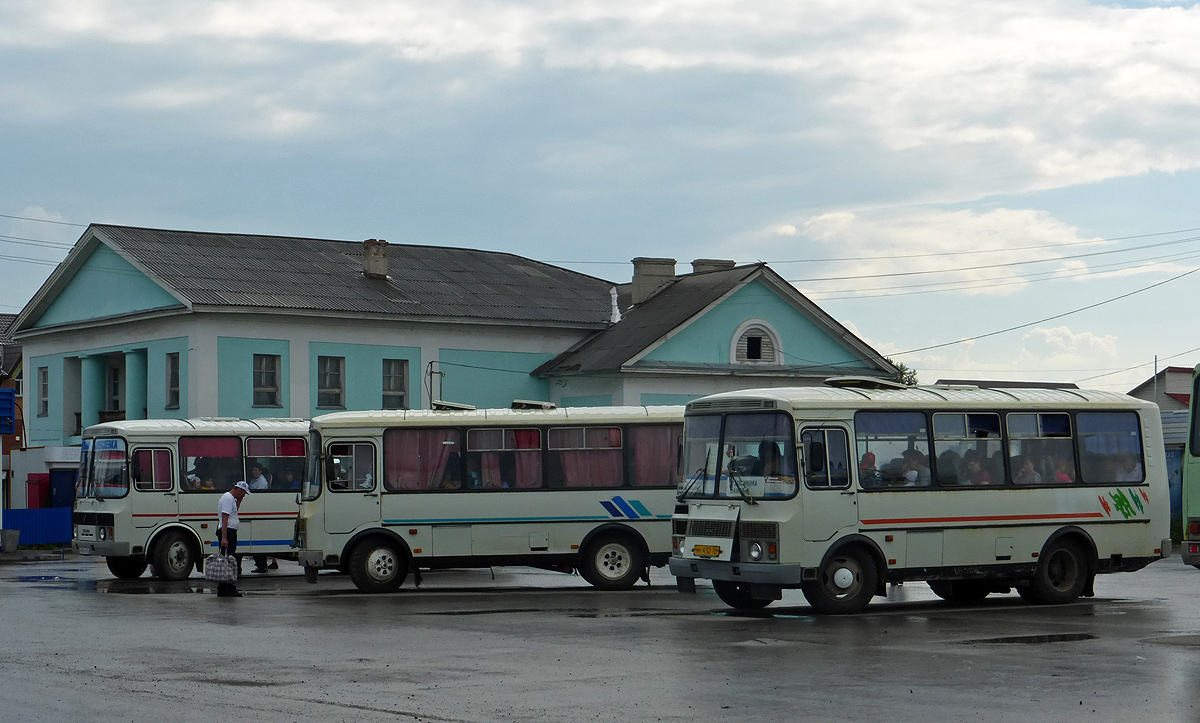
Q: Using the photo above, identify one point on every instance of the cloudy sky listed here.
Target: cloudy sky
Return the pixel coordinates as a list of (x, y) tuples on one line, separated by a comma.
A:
[(1003, 190)]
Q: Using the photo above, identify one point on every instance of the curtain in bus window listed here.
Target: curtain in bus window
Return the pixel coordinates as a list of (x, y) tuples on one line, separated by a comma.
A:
[(527, 461), (211, 463), (655, 451), (421, 459), (1110, 447)]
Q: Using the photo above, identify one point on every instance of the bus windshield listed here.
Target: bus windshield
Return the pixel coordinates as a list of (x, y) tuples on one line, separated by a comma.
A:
[(104, 473), (739, 456)]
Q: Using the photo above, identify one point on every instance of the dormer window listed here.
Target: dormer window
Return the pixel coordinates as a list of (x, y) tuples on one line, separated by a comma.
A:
[(756, 343)]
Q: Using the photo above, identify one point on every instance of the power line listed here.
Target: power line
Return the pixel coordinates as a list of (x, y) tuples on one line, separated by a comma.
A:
[(43, 220), (994, 266), (1049, 318)]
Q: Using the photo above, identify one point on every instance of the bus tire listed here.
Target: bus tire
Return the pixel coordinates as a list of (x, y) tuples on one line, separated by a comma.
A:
[(174, 556), (612, 562), (1061, 574), (845, 583), (378, 565), (963, 591), (126, 568), (738, 596)]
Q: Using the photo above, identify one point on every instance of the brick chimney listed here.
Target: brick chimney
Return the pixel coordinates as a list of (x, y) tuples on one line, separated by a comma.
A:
[(648, 275), (699, 266), (375, 260)]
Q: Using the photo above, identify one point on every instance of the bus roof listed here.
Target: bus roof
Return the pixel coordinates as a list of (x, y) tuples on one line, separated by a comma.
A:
[(497, 417), (843, 397), (199, 425)]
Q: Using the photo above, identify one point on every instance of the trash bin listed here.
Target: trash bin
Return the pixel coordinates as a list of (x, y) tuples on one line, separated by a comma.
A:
[(9, 540)]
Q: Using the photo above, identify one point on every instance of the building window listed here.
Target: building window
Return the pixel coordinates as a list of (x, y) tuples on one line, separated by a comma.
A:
[(43, 391), (395, 384), (756, 345), (173, 380), (115, 398), (331, 382), (266, 380)]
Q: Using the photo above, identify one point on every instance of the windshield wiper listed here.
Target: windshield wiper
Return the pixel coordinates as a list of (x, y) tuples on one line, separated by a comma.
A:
[(700, 474), (736, 479)]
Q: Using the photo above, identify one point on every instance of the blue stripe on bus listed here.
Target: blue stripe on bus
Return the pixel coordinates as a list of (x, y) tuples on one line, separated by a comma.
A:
[(257, 543), (629, 511), (612, 509), (637, 505)]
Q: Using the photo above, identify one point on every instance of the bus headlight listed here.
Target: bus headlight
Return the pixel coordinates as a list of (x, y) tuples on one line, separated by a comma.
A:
[(102, 533), (756, 551)]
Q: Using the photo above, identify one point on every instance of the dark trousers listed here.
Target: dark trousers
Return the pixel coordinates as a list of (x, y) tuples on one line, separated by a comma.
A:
[(227, 588)]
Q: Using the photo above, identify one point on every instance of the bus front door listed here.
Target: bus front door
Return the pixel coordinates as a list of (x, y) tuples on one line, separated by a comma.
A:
[(830, 503), (353, 487)]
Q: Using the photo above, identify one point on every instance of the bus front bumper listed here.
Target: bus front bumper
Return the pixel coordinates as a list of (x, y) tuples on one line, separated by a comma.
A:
[(759, 573), (106, 549)]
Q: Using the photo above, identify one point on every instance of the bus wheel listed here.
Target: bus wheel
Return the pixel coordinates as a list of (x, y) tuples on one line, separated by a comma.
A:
[(377, 566), (612, 562), (173, 557), (1060, 577), (126, 568), (738, 596), (845, 584), (965, 591)]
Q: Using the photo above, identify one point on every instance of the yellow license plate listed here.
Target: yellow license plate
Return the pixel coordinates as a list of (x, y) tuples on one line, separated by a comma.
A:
[(706, 550)]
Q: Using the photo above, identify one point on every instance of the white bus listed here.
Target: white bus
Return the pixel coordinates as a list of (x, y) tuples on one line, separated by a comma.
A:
[(148, 489), (591, 489), (838, 490)]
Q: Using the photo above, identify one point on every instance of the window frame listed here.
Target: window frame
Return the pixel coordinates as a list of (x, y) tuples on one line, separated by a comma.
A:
[(172, 372), (355, 443), (43, 391), (336, 394), (824, 432), (155, 484), (259, 373), (402, 377)]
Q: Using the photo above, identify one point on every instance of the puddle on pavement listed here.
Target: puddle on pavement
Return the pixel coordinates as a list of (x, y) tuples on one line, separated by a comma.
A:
[(1032, 639)]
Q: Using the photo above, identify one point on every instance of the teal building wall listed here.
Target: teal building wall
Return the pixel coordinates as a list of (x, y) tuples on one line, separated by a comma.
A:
[(364, 374), (491, 378), (667, 400), (105, 285), (235, 377), (707, 340), (593, 400)]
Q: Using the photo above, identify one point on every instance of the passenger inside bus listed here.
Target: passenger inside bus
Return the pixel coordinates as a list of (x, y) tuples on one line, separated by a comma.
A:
[(916, 469), (1026, 474), (769, 462)]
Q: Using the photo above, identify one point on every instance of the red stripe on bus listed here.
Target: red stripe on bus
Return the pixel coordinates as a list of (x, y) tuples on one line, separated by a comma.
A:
[(983, 518)]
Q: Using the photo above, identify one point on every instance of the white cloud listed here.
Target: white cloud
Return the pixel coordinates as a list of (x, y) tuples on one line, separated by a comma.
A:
[(1027, 94)]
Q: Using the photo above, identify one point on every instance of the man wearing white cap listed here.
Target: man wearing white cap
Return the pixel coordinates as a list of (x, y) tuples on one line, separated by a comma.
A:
[(227, 527)]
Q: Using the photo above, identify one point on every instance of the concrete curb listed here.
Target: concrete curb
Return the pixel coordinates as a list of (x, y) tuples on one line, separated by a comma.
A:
[(20, 556)]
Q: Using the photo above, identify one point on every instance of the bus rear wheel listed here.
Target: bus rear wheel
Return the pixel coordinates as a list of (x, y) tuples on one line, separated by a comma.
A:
[(126, 568), (738, 596), (1060, 576), (612, 562), (844, 584), (965, 591), (377, 565), (173, 557)]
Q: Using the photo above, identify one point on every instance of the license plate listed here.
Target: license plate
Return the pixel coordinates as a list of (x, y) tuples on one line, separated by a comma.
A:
[(706, 550)]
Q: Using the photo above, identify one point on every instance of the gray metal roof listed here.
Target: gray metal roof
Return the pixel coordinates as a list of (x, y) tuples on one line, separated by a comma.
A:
[(321, 275), (10, 349), (677, 302)]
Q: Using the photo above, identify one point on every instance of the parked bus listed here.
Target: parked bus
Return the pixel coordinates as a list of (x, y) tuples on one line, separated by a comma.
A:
[(587, 489), (1190, 489), (838, 490), (148, 489)]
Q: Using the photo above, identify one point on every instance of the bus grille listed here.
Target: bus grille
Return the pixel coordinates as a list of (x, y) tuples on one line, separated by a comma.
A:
[(710, 528), (758, 530)]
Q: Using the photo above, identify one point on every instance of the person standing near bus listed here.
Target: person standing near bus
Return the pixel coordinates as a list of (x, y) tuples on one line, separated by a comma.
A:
[(227, 527)]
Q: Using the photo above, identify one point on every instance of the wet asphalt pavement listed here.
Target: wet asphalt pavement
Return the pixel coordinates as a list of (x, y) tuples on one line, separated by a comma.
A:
[(529, 645)]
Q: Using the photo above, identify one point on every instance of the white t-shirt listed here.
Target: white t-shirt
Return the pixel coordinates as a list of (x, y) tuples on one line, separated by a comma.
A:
[(228, 504), (259, 483)]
